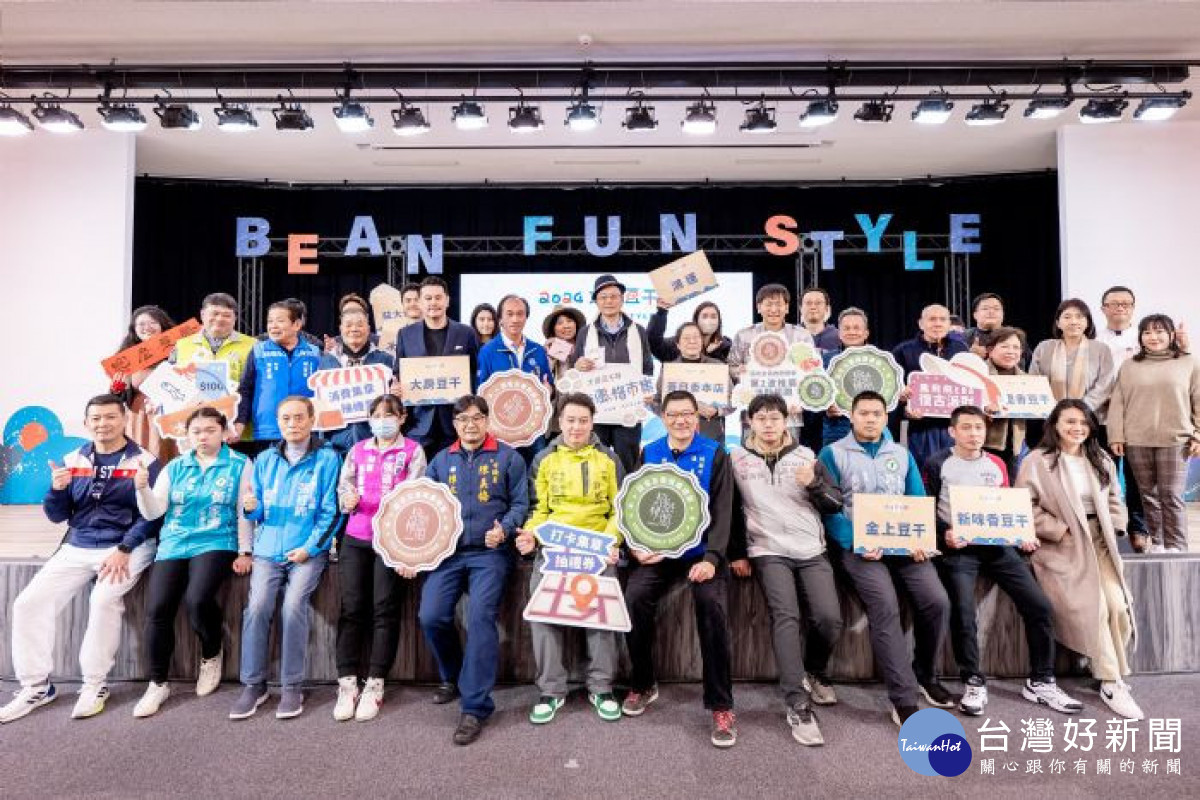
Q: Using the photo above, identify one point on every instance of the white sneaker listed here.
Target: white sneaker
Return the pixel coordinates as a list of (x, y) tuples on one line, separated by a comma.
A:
[(1049, 694), (974, 699), (156, 694), (1116, 696), (210, 674), (91, 700), (371, 700), (347, 698), (26, 699)]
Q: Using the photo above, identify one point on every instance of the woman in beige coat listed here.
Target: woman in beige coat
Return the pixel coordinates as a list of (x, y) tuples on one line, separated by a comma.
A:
[(1078, 513)]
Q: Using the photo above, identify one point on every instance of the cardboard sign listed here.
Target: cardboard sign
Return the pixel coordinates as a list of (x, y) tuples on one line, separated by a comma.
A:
[(991, 515), (618, 390), (560, 536), (435, 380), (857, 369), (344, 395), (1024, 396), (662, 510), (418, 525), (770, 370), (212, 379), (171, 388), (150, 352), (579, 601), (938, 395), (684, 278), (708, 382), (387, 306), (559, 349), (894, 523), (816, 391), (520, 407), (174, 425)]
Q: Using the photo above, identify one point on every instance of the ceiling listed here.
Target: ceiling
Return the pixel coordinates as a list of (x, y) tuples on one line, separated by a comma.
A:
[(457, 32)]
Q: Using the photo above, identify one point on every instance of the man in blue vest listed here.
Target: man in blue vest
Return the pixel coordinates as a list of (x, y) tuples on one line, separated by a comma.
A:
[(868, 461), (704, 567), (511, 349)]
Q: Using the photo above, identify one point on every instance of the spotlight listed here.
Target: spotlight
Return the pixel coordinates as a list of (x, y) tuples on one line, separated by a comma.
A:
[(1047, 107), (409, 121), (55, 118), (989, 112), (819, 113), (292, 118), (469, 116), (235, 118), (1107, 110), (932, 111), (524, 119), (700, 119), (874, 112), (177, 116), (640, 117), (1156, 109), (352, 117), (582, 116), (123, 117), (13, 122), (759, 119)]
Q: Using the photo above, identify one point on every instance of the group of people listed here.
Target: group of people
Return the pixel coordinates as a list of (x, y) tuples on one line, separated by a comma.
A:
[(261, 494)]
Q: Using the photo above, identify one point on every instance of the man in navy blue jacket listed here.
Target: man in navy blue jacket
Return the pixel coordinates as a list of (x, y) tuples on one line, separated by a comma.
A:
[(434, 335), (107, 539), (926, 436)]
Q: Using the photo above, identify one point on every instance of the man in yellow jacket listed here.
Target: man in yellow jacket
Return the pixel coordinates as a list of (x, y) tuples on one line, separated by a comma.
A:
[(574, 481), (218, 341)]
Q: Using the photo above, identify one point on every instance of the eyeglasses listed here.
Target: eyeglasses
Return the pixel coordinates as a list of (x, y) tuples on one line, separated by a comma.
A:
[(470, 419), (674, 415), (1113, 304)]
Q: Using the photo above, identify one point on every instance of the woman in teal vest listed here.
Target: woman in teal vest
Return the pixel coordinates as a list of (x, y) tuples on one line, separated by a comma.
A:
[(204, 539)]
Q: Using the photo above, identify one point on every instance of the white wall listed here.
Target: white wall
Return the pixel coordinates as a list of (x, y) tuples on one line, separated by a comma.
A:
[(66, 226), (1129, 202)]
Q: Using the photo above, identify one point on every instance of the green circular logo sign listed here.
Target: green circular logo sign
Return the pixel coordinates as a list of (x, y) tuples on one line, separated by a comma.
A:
[(662, 510), (817, 391), (860, 369)]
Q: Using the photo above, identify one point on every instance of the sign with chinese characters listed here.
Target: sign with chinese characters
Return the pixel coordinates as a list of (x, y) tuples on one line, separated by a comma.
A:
[(859, 369), (148, 353), (770, 370), (171, 388), (435, 380), (894, 523), (938, 395), (1024, 396), (569, 549), (343, 396), (559, 349), (817, 391), (579, 600), (991, 515), (174, 424), (684, 278), (708, 382), (387, 306), (520, 407), (618, 390), (662, 510), (418, 525)]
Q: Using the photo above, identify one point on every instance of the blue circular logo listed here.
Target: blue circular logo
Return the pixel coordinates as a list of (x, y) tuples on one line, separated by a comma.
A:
[(933, 742)]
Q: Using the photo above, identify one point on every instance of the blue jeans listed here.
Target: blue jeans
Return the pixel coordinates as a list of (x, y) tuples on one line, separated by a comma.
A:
[(482, 574), (298, 582)]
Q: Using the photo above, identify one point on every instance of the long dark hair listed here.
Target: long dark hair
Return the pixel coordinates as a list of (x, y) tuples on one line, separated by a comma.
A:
[(479, 309), (716, 335), (1158, 321), (1091, 446), (159, 316)]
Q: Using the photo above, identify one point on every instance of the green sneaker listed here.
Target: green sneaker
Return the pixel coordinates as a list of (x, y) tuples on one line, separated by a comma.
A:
[(607, 707), (545, 709)]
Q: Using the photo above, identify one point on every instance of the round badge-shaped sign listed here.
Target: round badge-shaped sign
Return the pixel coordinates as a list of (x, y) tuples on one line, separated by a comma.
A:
[(768, 349), (867, 368), (418, 525), (662, 509), (817, 391), (804, 356), (519, 407)]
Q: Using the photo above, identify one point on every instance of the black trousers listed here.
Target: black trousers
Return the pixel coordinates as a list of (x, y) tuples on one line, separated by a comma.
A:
[(646, 587), (370, 607), (625, 442), (195, 581)]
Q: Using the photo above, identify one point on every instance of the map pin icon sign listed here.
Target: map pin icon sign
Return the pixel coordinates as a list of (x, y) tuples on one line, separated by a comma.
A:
[(584, 590)]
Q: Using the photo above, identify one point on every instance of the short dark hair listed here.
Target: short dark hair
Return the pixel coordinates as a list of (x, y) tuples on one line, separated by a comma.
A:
[(468, 401), (680, 394), (772, 290), (1082, 308), (866, 397), (219, 299), (293, 307), (820, 291), (104, 400), (298, 398), (998, 335), (854, 311), (505, 299), (979, 298), (767, 402), (410, 287), (576, 399), (955, 319), (1115, 290), (683, 326), (435, 281), (353, 299), (1165, 323), (392, 402), (205, 412), (966, 411)]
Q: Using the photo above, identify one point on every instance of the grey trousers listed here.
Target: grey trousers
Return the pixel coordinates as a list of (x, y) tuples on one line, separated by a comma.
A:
[(786, 583), (549, 644)]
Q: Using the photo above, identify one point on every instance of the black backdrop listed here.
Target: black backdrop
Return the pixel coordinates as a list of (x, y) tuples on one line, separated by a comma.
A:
[(184, 235)]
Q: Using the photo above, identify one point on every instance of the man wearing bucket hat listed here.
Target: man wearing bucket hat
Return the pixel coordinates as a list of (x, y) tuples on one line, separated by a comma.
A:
[(613, 338)]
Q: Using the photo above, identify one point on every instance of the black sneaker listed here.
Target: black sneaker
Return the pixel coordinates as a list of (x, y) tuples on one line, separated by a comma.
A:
[(445, 693), (937, 695), (468, 730), (900, 714)]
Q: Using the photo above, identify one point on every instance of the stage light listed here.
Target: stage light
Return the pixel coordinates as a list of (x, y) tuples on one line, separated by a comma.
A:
[(700, 119), (55, 118), (13, 122), (582, 116), (235, 118), (1047, 107), (292, 118), (469, 116), (759, 119), (819, 113), (524, 119), (352, 117), (640, 117), (177, 116), (409, 121), (989, 112), (933, 110), (874, 112), (1099, 111), (122, 117), (1157, 109)]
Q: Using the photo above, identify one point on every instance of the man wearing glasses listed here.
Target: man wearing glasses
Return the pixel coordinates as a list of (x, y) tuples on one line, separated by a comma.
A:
[(489, 480)]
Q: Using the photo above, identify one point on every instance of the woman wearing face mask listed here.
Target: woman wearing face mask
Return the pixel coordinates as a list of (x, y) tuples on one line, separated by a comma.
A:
[(370, 608), (690, 344), (707, 318), (1154, 421), (354, 349), (1005, 437), (146, 323)]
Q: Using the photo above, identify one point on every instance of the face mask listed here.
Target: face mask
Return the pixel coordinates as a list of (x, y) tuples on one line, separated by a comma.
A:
[(708, 326), (385, 427)]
